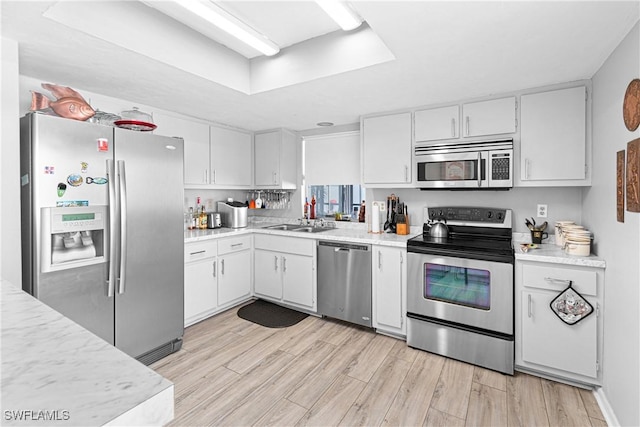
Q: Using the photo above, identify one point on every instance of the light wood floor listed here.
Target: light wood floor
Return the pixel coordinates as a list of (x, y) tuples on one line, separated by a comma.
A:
[(324, 372)]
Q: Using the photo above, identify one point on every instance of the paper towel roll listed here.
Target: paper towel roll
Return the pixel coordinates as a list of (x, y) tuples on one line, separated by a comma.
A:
[(375, 218)]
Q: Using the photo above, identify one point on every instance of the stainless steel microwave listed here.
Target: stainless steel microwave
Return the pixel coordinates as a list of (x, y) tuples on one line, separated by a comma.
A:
[(465, 165)]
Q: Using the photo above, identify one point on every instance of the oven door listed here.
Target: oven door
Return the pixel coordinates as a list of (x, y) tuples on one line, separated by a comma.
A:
[(453, 170), (473, 293)]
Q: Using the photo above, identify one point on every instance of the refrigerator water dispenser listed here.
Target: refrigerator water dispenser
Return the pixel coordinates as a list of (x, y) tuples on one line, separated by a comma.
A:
[(73, 237)]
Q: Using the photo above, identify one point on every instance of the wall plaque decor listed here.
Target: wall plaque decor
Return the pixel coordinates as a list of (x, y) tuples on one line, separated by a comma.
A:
[(631, 105), (620, 185), (633, 175)]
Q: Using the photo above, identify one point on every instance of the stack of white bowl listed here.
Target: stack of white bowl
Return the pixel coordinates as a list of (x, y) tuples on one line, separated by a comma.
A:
[(573, 238)]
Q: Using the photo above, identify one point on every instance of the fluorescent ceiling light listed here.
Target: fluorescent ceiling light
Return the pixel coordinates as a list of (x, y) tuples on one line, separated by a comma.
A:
[(341, 12), (214, 14)]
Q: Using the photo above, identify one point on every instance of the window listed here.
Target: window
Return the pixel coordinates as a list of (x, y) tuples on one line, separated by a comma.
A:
[(332, 199)]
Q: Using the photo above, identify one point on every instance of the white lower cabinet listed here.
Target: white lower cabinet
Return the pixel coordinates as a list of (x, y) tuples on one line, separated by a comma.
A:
[(389, 283), (200, 281), (268, 279), (234, 264), (285, 270), (217, 275), (544, 343)]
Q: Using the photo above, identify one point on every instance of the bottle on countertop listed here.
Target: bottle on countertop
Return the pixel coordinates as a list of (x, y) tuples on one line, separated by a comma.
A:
[(196, 213), (203, 218), (312, 211), (192, 219), (306, 209), (361, 212)]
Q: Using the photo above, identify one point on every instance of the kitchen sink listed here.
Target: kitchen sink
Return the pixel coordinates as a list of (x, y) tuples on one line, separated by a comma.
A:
[(285, 227), (297, 227), (307, 229)]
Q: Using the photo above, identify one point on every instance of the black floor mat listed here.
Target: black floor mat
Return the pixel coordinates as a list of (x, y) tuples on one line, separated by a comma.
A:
[(270, 315)]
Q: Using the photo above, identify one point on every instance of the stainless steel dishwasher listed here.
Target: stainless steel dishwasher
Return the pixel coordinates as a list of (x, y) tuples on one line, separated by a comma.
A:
[(344, 281)]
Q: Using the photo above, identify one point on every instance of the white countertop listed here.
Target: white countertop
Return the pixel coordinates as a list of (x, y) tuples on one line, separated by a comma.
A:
[(54, 372), (551, 253), (355, 233)]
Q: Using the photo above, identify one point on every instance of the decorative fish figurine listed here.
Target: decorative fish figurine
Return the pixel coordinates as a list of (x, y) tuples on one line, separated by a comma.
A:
[(96, 180), (68, 104)]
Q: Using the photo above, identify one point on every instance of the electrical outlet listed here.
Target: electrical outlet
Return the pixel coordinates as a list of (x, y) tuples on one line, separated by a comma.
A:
[(542, 211)]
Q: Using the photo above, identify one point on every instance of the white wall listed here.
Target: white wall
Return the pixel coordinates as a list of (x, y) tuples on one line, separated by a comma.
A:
[(619, 244), (10, 257), (563, 203)]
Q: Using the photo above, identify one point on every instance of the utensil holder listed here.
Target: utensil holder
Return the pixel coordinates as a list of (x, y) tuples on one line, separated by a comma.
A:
[(538, 235)]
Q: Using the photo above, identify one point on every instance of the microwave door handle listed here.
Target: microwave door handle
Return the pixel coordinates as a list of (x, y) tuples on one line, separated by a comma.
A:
[(479, 169)]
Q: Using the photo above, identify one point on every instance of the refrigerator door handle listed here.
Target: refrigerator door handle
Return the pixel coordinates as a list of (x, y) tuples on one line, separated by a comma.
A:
[(113, 220), (123, 226)]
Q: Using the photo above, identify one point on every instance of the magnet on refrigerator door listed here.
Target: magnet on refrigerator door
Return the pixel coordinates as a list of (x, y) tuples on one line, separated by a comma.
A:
[(62, 187), (75, 180), (96, 180), (49, 170), (103, 144), (83, 167)]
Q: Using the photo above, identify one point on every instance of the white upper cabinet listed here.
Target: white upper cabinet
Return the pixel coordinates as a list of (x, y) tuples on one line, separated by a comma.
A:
[(553, 143), (437, 123), (492, 117), (231, 158), (386, 150), (276, 159), (196, 145), (214, 156)]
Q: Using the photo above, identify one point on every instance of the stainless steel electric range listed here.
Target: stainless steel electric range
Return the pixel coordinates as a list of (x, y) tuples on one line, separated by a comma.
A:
[(460, 289)]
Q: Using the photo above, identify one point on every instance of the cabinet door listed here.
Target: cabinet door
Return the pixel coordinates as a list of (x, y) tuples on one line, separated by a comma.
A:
[(437, 123), (492, 117), (548, 341), (553, 135), (288, 172), (200, 290), (196, 145), (387, 284), (267, 274), (234, 278), (298, 275), (267, 159), (231, 157), (386, 146)]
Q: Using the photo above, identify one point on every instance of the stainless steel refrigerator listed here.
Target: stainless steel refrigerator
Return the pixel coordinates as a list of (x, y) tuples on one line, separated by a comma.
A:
[(102, 230)]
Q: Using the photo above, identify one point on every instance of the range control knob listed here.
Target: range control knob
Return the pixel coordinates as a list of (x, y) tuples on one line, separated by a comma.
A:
[(489, 214), (500, 216)]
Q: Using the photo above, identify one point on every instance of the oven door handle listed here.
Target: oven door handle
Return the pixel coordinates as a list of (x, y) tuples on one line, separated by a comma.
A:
[(479, 169)]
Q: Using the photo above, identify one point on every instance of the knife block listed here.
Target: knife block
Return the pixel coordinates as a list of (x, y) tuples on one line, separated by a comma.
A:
[(402, 228)]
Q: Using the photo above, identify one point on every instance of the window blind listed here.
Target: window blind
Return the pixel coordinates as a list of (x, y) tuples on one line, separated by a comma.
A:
[(332, 159)]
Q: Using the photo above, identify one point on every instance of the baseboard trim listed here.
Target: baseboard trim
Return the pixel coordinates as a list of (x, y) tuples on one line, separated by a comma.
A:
[(605, 407)]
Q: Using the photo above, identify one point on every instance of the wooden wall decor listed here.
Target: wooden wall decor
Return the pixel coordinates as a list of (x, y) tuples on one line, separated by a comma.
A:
[(633, 176), (620, 184), (631, 105)]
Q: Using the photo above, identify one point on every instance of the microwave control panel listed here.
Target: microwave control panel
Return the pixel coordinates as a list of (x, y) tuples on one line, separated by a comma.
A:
[(500, 166)]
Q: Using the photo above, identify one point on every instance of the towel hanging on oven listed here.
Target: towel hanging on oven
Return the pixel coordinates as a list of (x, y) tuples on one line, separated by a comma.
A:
[(570, 306)]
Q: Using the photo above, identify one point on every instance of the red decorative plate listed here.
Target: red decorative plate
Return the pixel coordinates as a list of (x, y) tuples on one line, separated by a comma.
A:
[(135, 125)]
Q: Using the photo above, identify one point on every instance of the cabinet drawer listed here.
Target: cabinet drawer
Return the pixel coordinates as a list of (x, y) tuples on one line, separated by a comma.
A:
[(557, 278), (200, 250), (292, 245), (226, 246)]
